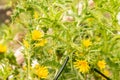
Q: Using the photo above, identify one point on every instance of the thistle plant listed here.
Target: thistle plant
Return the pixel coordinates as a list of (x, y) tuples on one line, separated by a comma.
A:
[(86, 31)]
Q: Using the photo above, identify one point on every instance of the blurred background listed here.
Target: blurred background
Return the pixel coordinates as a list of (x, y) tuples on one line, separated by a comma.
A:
[(5, 11)]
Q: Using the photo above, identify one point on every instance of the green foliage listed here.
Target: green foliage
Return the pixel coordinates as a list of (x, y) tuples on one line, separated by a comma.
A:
[(66, 25)]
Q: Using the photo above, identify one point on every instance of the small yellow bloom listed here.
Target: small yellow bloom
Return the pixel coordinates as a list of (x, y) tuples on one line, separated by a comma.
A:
[(41, 71), (24, 67), (26, 43), (82, 65), (41, 43), (3, 48), (36, 14), (101, 64), (87, 42), (90, 19), (36, 34), (106, 73)]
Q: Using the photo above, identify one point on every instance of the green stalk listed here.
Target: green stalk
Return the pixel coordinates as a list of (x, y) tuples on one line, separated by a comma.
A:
[(105, 41), (71, 63), (28, 65)]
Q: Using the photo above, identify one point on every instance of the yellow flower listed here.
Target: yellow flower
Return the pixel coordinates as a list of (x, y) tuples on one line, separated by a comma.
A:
[(26, 43), (82, 65), (36, 34), (36, 14), (41, 43), (3, 48), (41, 71), (87, 42), (90, 19), (24, 67), (106, 73), (101, 64)]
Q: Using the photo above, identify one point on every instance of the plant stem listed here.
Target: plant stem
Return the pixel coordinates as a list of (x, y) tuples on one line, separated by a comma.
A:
[(28, 65)]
